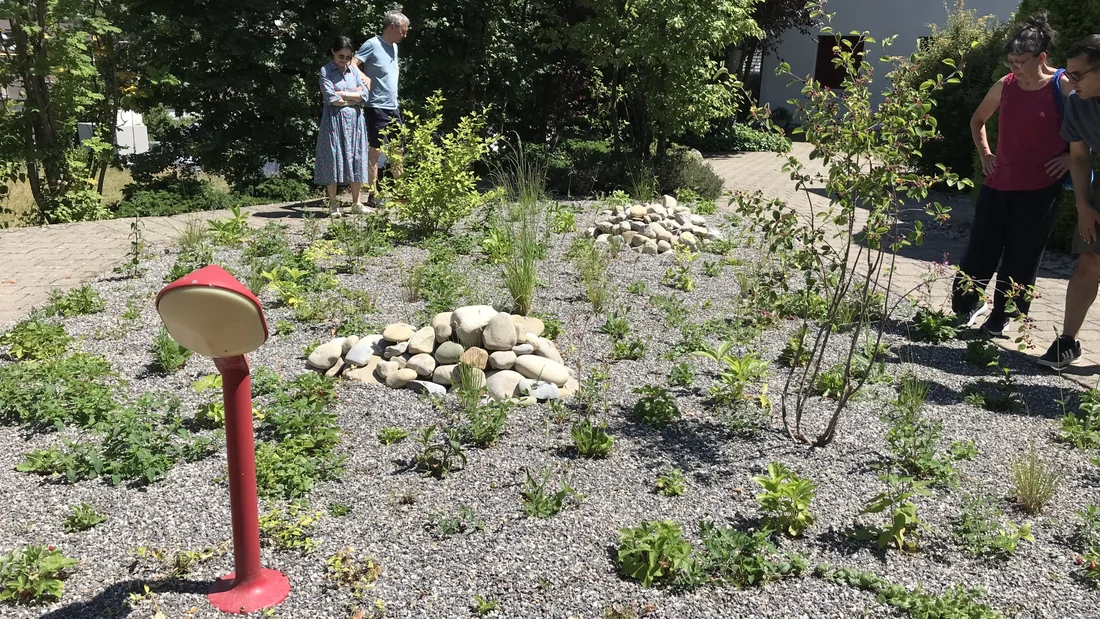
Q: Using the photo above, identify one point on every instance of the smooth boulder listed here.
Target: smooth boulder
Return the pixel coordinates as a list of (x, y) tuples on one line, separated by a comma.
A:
[(441, 323), (421, 386), (468, 322), (398, 332), (503, 385), (502, 360), (448, 353), (475, 357), (423, 364), (499, 333), (326, 355), (400, 378), (422, 342), (541, 368)]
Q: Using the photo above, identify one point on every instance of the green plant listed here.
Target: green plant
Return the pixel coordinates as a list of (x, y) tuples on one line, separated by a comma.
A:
[(497, 244), (344, 569), (786, 499), (592, 265), (999, 396), (981, 530), (190, 260), (742, 558), (656, 406), (230, 231), (33, 575), (654, 553), (339, 510), (462, 522), (290, 527), (904, 526), (168, 355), (392, 435), (553, 326), (933, 326), (1082, 427), (672, 483), (77, 302), (913, 439), (439, 458), (712, 269), (1086, 541), (520, 274), (681, 375), (437, 186), (637, 287), (539, 501), (34, 339), (982, 354), (484, 421), (482, 606), (679, 274), (1034, 481), (590, 440), (956, 601), (628, 350), (77, 389), (745, 418), (616, 326), (82, 517)]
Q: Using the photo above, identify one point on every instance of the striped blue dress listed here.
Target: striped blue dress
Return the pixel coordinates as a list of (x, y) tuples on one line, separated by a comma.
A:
[(342, 140)]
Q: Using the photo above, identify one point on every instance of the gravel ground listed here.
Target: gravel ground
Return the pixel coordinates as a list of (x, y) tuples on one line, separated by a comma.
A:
[(561, 566)]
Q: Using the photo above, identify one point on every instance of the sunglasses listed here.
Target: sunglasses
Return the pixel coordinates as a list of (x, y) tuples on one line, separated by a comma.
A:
[(1077, 77)]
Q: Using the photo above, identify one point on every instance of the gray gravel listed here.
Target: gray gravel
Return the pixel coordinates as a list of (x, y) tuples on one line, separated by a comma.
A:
[(561, 566)]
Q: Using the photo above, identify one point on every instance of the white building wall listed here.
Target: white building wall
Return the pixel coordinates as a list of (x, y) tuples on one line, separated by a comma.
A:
[(909, 19)]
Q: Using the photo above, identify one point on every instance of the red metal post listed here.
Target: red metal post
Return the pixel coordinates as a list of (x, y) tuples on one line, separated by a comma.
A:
[(250, 587)]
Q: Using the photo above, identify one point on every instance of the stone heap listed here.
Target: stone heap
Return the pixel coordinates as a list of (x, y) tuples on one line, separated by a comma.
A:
[(653, 228), (502, 352)]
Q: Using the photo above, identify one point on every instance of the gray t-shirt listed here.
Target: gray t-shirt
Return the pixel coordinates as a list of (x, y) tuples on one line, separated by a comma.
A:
[(1082, 121), (379, 62)]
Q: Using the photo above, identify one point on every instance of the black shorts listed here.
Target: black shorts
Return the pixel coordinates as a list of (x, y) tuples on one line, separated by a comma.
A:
[(377, 121)]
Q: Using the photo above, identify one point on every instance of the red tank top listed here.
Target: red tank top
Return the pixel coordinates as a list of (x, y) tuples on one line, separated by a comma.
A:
[(1028, 136)]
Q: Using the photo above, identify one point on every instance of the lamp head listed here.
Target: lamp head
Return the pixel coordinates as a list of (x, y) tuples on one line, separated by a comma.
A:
[(210, 313)]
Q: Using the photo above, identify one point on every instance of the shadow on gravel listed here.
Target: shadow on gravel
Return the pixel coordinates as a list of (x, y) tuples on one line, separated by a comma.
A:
[(114, 600), (295, 211), (687, 444)]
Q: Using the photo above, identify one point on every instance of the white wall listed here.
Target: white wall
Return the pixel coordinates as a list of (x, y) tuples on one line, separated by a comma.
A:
[(908, 19)]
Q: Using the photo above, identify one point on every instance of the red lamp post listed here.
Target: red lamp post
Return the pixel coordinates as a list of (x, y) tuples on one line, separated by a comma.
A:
[(211, 313)]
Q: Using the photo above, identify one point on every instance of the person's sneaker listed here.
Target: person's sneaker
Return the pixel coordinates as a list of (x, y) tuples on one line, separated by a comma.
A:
[(359, 208), (1061, 354), (975, 315), (997, 325)]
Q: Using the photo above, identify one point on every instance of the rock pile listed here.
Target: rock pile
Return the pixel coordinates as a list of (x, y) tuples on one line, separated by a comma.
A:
[(653, 228), (504, 353)]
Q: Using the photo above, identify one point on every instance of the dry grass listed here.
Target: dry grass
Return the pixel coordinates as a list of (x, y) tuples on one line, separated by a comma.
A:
[(20, 201)]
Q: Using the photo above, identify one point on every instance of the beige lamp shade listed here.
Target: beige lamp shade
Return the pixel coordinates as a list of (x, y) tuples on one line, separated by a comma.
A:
[(212, 319)]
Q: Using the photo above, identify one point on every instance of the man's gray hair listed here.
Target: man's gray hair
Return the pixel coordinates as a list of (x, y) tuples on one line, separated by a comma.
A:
[(394, 18)]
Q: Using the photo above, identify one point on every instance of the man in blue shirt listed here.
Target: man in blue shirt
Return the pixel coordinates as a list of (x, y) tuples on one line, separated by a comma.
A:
[(377, 59)]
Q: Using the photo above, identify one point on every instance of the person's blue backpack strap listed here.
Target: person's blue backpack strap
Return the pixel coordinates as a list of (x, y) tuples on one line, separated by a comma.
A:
[(1060, 103)]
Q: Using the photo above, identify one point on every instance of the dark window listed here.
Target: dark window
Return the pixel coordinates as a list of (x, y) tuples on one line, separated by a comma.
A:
[(825, 70)]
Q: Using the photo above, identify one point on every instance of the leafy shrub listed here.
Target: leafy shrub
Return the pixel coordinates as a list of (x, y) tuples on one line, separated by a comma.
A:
[(437, 187), (1082, 427), (190, 260), (654, 552), (656, 406), (616, 326), (279, 189), (904, 526), (168, 355), (539, 501), (743, 559), (672, 483), (913, 439), (484, 421), (77, 302), (979, 529), (683, 170), (982, 354), (681, 375), (174, 196), (33, 575), (439, 458), (35, 339), (82, 517), (78, 389), (591, 441), (733, 137), (346, 570), (933, 326), (956, 602), (786, 499), (289, 528), (462, 522), (392, 435), (628, 350)]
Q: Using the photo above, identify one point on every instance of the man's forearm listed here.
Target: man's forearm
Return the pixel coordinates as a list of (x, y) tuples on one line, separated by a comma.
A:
[(1080, 170)]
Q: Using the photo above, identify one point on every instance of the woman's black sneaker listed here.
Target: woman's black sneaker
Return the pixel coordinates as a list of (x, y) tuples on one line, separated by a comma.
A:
[(1061, 354), (997, 325)]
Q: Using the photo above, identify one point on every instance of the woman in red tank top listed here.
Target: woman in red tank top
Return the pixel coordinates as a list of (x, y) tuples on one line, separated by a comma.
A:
[(1017, 204)]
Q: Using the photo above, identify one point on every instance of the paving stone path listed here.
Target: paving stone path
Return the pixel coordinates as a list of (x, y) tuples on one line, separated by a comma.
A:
[(33, 261)]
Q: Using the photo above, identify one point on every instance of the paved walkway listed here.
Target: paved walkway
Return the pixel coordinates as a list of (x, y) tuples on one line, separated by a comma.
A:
[(762, 171), (33, 261)]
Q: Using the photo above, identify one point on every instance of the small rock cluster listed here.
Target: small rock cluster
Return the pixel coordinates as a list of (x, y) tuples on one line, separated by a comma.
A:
[(504, 353), (653, 228)]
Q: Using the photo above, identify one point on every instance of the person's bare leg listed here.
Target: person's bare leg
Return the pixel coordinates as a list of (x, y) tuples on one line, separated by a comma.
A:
[(333, 205), (355, 188), (372, 171), (1081, 292)]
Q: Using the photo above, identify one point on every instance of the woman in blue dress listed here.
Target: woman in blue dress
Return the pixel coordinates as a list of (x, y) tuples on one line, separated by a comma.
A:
[(342, 141)]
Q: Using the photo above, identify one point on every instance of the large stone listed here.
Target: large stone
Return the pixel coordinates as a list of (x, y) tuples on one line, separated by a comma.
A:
[(523, 349), (663, 246), (650, 248), (547, 349), (335, 369), (400, 378), (570, 389), (603, 240), (638, 226), (398, 332), (396, 350), (533, 325), (657, 209), (639, 240), (623, 228), (544, 391), (387, 368), (361, 353), (326, 355), (422, 342), (448, 353), (689, 239), (541, 368), (349, 342), (423, 364), (476, 357), (637, 211), (499, 334), (628, 236), (441, 324), (468, 323), (521, 331), (604, 227), (668, 202), (659, 232), (503, 385), (502, 360), (422, 387), (364, 374), (442, 374), (470, 377), (698, 220)]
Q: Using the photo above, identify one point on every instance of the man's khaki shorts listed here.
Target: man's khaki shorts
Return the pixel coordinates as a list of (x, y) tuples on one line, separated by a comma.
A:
[(1079, 244)]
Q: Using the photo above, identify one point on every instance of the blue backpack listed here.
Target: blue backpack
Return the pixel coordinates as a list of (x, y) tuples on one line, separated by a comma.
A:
[(1060, 102)]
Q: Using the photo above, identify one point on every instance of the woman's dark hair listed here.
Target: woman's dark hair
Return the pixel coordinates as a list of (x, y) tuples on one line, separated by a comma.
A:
[(1088, 47), (340, 43), (1034, 37)]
